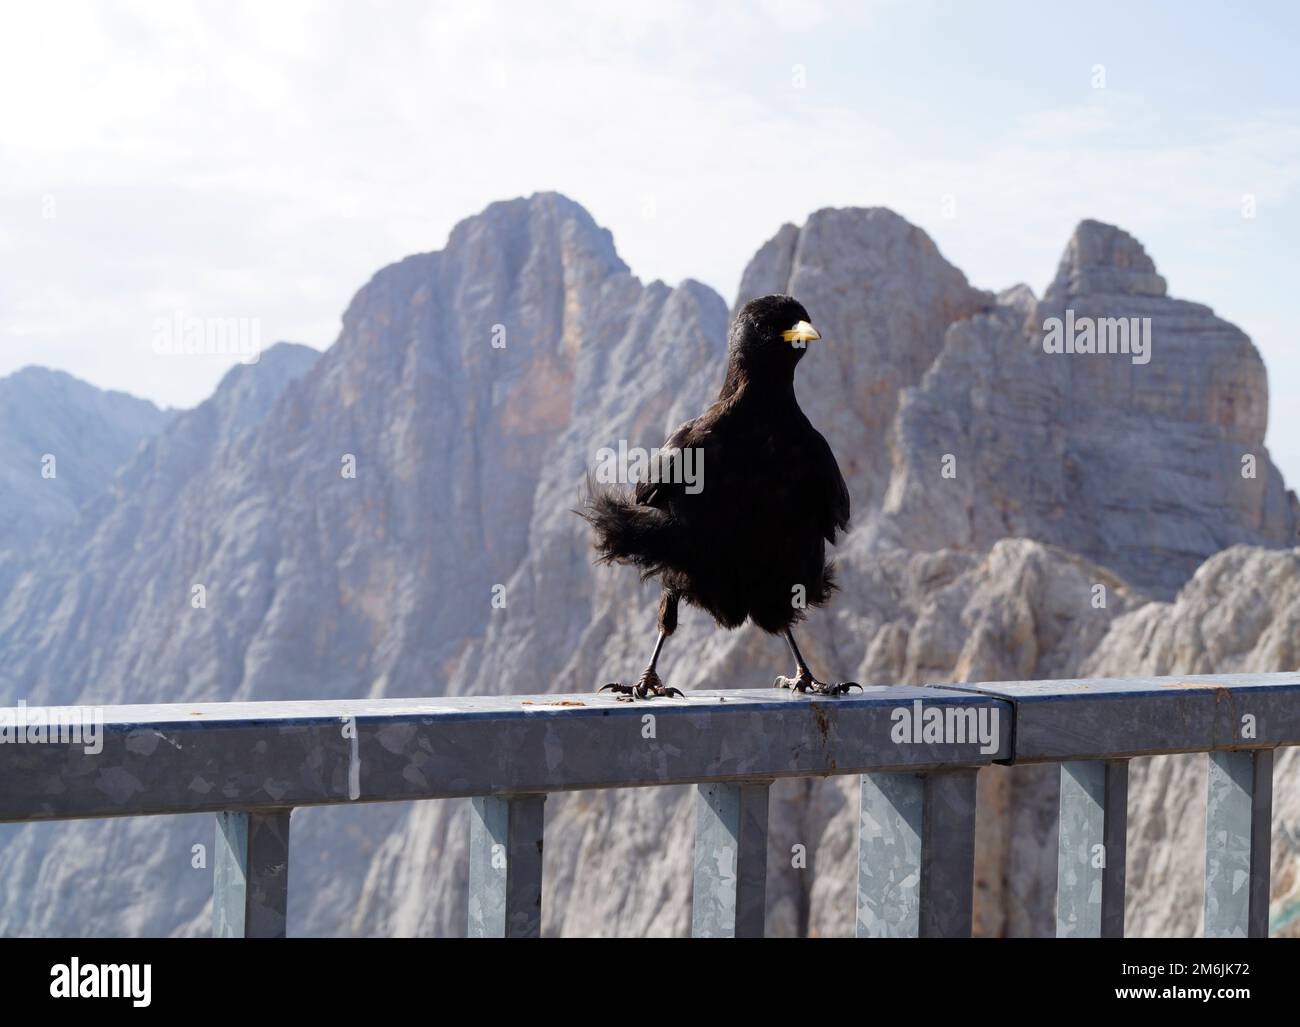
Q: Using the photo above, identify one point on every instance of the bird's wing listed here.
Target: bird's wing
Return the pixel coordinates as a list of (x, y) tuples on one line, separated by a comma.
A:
[(658, 493), (835, 494)]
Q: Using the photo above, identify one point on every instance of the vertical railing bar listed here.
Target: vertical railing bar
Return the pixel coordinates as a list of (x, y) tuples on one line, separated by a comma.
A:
[(729, 895), (1261, 841), (1080, 827), (505, 866), (916, 854), (1238, 829), (1092, 844), (890, 815), (1114, 882), (948, 854), (250, 875)]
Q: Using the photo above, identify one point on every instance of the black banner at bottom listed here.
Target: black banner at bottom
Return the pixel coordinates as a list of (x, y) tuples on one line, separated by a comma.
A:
[(335, 977)]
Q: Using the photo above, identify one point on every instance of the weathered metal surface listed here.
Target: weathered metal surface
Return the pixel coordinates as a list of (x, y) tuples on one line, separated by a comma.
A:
[(1110, 718), (505, 867), (208, 757), (730, 887), (889, 855), (1238, 827), (250, 875), (1092, 849), (916, 855), (948, 854)]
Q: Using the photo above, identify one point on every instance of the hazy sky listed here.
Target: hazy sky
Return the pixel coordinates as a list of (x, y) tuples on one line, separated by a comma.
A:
[(262, 160)]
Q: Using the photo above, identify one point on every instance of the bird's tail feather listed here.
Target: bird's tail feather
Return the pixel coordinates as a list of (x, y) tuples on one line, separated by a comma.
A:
[(631, 532)]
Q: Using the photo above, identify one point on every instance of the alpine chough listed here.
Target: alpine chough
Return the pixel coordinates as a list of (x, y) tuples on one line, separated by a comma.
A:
[(747, 541)]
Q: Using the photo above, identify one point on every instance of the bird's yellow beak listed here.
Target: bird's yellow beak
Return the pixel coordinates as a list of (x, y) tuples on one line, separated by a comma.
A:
[(801, 332)]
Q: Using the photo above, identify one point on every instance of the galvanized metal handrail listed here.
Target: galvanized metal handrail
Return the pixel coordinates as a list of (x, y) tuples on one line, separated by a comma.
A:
[(917, 751)]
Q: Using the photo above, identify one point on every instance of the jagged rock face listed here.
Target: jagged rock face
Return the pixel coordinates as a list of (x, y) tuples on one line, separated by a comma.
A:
[(109, 594), (1146, 468), (469, 460), (89, 432)]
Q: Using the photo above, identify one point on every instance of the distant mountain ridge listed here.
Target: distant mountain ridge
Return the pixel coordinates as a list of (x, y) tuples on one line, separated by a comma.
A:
[(470, 389), (61, 441)]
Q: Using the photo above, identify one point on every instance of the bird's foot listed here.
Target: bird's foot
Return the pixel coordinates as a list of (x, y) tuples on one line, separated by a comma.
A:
[(647, 685), (805, 682)]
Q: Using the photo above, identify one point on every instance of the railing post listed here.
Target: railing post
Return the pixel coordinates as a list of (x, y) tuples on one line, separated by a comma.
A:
[(505, 867), (889, 855), (1238, 832), (250, 875), (948, 855), (1092, 849), (916, 855), (730, 888)]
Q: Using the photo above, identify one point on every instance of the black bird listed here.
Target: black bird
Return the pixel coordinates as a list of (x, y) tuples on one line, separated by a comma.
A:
[(751, 542)]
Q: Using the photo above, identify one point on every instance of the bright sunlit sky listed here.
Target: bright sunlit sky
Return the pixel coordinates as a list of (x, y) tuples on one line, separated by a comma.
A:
[(262, 160)]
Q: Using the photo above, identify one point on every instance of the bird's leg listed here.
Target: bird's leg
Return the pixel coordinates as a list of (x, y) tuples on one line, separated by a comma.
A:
[(648, 684), (803, 680)]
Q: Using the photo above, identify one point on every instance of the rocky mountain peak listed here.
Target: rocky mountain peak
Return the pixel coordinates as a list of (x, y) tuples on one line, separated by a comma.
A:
[(245, 393), (1104, 259), (522, 224), (1018, 297), (88, 432), (1132, 459)]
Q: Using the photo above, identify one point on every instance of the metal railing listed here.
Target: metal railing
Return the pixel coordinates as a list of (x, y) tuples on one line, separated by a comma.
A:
[(917, 750)]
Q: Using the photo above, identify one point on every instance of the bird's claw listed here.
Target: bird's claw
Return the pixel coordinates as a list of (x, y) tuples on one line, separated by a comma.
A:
[(647, 685), (803, 682), (837, 688)]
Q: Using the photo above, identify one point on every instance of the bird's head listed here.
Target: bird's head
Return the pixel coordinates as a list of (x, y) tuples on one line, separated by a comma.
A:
[(769, 336)]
